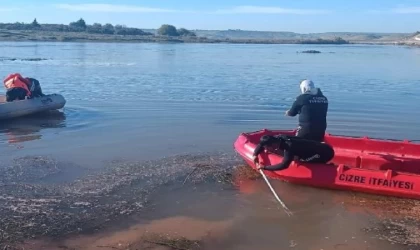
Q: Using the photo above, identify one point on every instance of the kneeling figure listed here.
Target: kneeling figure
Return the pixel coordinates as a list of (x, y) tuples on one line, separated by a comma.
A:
[(294, 147)]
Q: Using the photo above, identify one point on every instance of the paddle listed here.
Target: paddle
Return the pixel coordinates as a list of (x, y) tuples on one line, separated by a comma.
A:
[(288, 212)]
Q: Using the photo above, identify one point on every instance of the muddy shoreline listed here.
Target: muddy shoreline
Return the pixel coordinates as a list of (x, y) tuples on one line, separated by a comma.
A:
[(29, 210), (35, 208)]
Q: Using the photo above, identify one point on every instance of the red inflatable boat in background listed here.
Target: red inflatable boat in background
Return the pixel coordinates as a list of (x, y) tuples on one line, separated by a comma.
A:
[(374, 166)]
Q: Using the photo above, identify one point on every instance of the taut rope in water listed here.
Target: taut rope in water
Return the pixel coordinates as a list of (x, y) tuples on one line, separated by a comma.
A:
[(288, 212)]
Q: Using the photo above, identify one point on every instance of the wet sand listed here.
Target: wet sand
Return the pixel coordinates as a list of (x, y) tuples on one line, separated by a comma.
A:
[(191, 202)]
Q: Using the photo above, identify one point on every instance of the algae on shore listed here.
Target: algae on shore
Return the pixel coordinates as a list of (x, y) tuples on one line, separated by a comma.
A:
[(29, 210)]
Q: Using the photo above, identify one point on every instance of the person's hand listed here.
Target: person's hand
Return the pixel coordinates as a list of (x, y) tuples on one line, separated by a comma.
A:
[(286, 113), (255, 159), (259, 166)]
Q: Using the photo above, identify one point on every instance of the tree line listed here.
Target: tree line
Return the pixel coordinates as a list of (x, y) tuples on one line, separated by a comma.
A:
[(170, 30), (96, 28)]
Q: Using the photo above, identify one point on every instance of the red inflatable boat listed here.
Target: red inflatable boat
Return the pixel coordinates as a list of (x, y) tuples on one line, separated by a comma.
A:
[(374, 166)]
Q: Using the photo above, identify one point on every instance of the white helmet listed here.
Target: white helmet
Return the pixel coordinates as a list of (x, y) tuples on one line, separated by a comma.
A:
[(307, 85)]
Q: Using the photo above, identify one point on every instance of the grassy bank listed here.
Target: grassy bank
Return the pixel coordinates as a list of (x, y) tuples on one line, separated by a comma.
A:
[(56, 36), (51, 36), (79, 31)]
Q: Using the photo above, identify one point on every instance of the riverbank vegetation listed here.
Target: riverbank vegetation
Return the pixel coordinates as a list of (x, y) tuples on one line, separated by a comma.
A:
[(79, 26), (80, 31)]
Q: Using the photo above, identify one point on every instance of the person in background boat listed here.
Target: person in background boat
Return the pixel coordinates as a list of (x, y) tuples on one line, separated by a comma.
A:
[(293, 147), (21, 88), (35, 88), (312, 107)]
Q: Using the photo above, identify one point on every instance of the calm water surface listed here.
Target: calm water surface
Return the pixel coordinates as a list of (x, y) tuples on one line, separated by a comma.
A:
[(144, 101), (133, 100)]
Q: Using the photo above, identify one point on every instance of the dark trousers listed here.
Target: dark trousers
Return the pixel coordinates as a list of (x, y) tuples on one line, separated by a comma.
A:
[(322, 154), (15, 94), (320, 157)]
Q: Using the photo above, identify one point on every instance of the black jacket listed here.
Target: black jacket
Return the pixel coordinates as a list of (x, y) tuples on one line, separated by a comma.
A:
[(312, 109), (35, 88)]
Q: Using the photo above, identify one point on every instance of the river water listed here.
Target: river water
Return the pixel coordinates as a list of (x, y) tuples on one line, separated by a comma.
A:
[(137, 102)]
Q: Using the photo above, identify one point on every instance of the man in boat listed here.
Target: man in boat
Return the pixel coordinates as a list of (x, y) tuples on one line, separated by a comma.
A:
[(35, 88), (293, 147), (312, 107), (21, 88)]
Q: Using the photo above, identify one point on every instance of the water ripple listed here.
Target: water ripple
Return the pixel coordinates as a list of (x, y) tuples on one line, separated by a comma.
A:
[(133, 91)]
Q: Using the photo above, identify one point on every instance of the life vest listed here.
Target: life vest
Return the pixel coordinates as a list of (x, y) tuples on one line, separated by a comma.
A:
[(16, 80)]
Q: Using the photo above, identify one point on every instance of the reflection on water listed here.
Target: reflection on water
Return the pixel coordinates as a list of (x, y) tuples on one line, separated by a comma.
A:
[(29, 128)]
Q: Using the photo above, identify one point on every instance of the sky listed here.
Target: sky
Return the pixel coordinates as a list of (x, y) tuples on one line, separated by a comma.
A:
[(303, 16)]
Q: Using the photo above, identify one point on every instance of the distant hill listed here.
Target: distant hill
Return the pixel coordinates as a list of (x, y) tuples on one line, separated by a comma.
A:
[(283, 35)]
